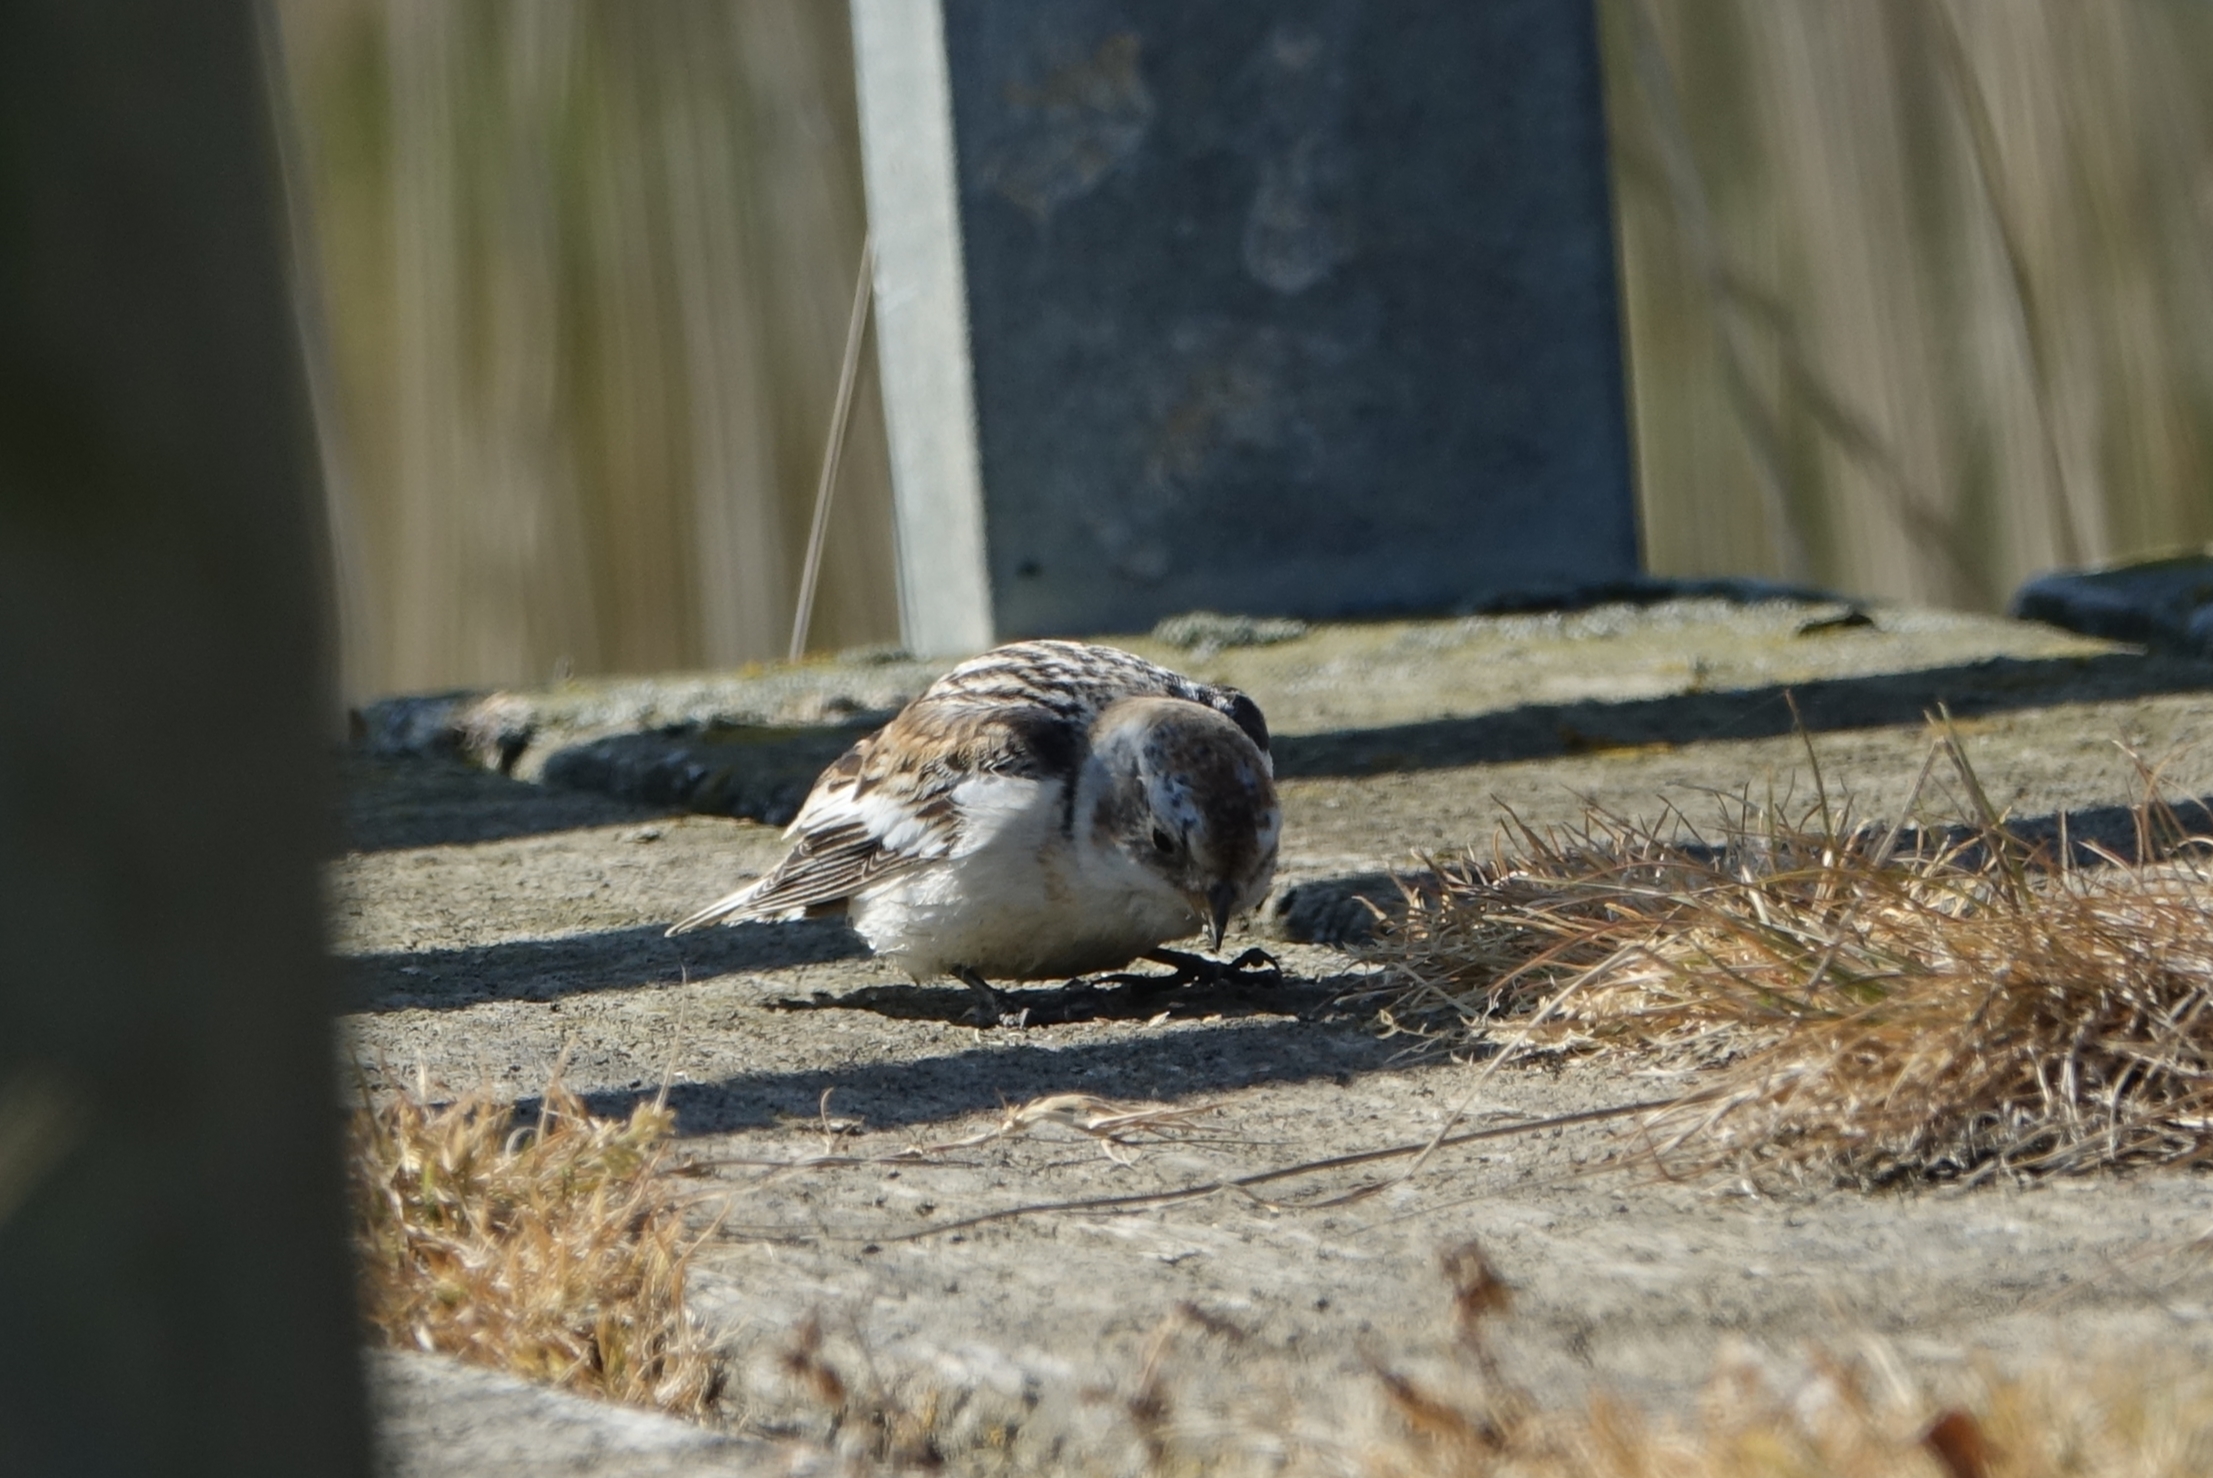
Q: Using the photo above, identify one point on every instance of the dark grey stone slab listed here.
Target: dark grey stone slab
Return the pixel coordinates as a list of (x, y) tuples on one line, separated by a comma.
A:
[(1276, 309), (2165, 603), (1287, 308)]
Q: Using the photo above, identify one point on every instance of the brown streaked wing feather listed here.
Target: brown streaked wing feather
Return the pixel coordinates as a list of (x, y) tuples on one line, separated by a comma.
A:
[(824, 867), (887, 804)]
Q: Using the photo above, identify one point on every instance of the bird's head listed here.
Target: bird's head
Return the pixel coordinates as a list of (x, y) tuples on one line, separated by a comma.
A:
[(1189, 800)]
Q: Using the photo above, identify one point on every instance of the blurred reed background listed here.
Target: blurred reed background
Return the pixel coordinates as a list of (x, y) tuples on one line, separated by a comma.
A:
[(582, 271), (1919, 293), (1918, 299)]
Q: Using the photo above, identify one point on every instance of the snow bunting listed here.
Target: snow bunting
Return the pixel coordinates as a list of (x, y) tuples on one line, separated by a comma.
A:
[(1046, 810)]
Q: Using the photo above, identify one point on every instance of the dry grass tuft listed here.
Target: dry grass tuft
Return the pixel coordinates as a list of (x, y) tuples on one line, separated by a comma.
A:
[(1884, 1003), (555, 1250)]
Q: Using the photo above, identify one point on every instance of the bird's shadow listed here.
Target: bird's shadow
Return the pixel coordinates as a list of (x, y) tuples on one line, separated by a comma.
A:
[(1081, 1001), (616, 959)]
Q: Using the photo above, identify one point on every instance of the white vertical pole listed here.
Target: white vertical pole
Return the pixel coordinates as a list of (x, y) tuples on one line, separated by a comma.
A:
[(907, 157)]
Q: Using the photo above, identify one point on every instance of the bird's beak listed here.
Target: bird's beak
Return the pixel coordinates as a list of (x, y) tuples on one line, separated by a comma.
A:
[(1221, 901)]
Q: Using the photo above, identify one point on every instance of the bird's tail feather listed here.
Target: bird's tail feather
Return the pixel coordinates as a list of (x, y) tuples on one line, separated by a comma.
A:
[(715, 912)]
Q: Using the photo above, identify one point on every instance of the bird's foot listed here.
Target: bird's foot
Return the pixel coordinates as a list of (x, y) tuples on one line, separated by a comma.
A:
[(993, 1006), (1254, 967)]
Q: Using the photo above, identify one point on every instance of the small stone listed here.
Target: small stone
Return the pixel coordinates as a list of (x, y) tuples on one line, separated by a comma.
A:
[(2165, 603), (1204, 633)]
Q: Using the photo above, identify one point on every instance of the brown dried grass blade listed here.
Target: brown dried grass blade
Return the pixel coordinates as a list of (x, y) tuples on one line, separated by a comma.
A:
[(1909, 1001), (556, 1250)]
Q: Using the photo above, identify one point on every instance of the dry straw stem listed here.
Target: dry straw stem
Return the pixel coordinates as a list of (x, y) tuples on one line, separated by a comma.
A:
[(1883, 1003), (556, 1250), (1118, 1128)]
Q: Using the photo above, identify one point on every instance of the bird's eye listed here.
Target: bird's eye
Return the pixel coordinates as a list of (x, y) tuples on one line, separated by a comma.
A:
[(1163, 843)]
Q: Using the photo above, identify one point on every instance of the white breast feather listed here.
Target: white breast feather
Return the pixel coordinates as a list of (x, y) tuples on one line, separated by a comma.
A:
[(1024, 902)]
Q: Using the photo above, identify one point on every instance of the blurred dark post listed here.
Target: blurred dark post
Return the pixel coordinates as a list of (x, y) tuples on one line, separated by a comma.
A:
[(1287, 308), (173, 1288)]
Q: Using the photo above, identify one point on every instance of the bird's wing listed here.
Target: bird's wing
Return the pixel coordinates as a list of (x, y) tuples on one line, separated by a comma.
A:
[(902, 798)]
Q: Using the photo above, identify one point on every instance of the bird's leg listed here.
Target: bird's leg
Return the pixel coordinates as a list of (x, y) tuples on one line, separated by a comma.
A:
[(1254, 967), (992, 1006)]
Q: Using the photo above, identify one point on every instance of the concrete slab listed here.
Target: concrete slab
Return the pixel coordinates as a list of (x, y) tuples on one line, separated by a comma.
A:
[(439, 1418), (494, 926)]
